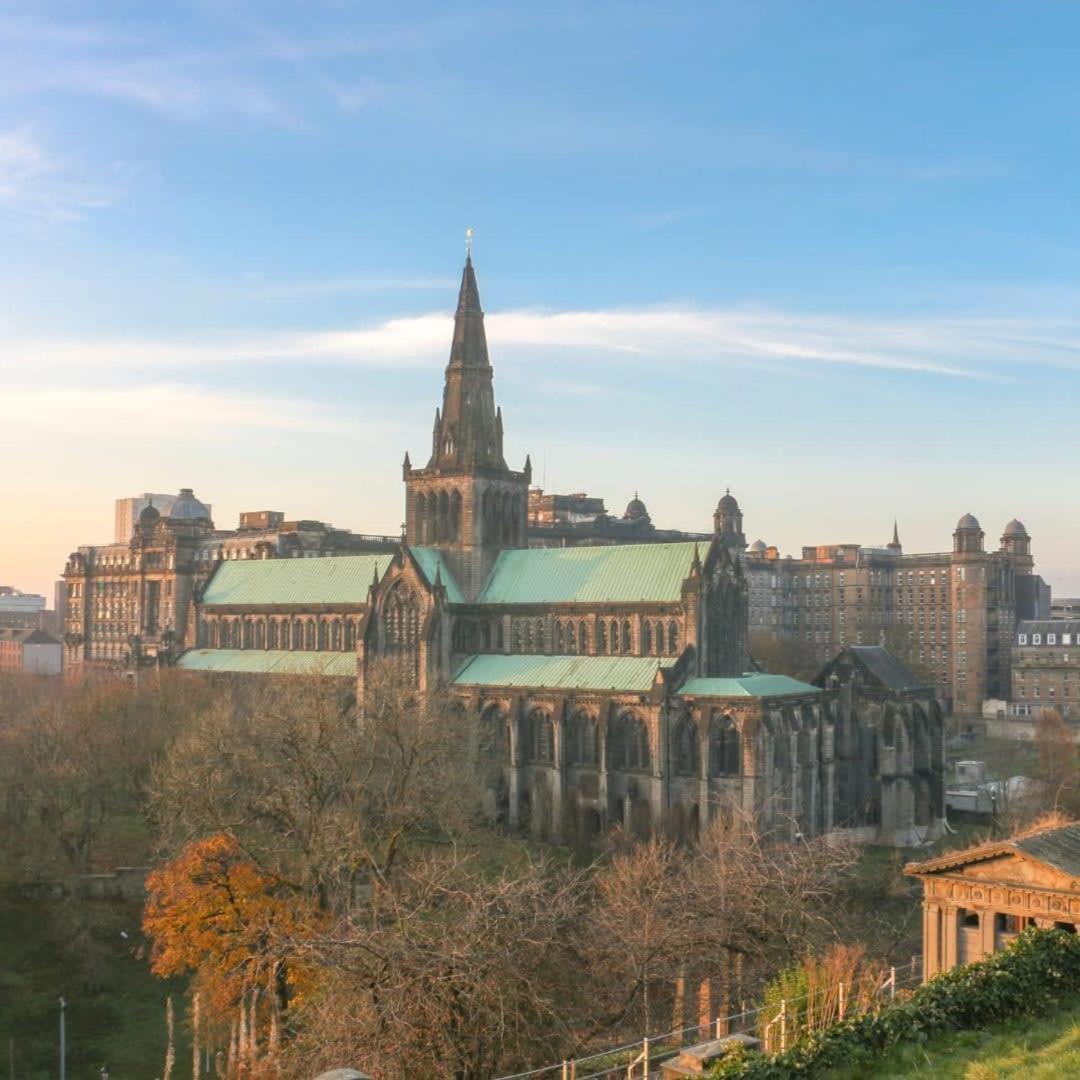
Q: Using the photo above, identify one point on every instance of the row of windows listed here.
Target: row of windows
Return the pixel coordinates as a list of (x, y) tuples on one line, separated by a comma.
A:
[(1051, 639), (311, 635)]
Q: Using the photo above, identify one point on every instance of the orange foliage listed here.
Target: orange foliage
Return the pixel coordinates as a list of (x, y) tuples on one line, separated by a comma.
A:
[(214, 912)]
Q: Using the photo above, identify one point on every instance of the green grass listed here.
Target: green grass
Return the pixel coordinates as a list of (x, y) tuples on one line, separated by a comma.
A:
[(1046, 1048), (116, 1008)]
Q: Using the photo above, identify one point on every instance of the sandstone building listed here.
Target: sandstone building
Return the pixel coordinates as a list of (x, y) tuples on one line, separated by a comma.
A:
[(975, 901), (952, 614), (1046, 668)]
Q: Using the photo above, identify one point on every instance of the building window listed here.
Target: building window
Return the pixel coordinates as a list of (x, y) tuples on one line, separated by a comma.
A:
[(1036, 639), (1021, 639), (540, 743)]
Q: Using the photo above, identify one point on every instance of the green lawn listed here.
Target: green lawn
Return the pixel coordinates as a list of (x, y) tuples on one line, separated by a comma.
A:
[(116, 1008), (1030, 1047)]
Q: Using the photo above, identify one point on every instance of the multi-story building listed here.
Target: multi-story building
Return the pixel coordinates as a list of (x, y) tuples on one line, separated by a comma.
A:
[(19, 610), (1046, 668), (131, 602), (951, 614)]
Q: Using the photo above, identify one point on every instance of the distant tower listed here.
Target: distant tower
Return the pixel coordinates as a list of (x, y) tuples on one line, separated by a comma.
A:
[(466, 501), (728, 523), (968, 537), (1016, 543), (894, 543)]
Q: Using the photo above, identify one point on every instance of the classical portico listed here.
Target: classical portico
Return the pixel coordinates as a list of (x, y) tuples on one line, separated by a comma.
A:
[(977, 900)]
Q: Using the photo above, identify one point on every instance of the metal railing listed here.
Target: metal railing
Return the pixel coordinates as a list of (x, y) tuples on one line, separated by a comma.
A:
[(642, 1058)]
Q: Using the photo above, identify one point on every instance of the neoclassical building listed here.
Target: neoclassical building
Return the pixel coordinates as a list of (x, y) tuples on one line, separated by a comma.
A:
[(609, 682)]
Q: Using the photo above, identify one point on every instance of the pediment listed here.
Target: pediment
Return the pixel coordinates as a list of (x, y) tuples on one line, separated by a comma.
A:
[(1015, 868)]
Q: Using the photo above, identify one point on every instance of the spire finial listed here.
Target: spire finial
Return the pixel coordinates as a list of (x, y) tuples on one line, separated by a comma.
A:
[(469, 234)]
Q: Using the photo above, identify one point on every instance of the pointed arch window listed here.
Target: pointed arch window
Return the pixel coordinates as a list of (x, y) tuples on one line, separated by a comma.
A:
[(628, 745), (646, 638), (685, 748), (582, 741), (583, 639), (673, 637), (613, 641), (601, 637), (540, 738), (401, 618), (350, 635), (571, 638), (725, 756), (627, 637), (558, 636)]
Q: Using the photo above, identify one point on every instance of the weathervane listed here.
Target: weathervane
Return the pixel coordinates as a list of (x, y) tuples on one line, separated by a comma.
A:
[(468, 242)]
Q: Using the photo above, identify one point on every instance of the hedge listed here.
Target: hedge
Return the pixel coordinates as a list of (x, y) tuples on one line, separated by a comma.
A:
[(1030, 977)]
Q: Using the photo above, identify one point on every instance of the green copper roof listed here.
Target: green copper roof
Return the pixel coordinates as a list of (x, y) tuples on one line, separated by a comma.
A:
[(625, 673), (432, 560), (624, 573), (270, 662), (755, 684), (331, 579)]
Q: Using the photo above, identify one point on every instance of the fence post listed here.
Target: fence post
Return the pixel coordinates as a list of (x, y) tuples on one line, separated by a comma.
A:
[(841, 1001), (645, 1057), (783, 1025), (892, 984), (717, 1031), (565, 1070)]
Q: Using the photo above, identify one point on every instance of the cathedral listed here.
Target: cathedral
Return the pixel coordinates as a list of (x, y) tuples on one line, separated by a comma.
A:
[(610, 682)]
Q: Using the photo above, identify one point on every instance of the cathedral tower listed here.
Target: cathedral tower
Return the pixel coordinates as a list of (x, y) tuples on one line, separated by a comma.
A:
[(466, 501)]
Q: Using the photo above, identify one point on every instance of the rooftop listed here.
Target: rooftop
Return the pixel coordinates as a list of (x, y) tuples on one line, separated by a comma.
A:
[(629, 674), (328, 579), (628, 573), (269, 662), (752, 684)]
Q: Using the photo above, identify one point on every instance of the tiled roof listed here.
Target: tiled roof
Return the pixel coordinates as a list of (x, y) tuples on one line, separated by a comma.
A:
[(633, 674), (432, 563), (753, 684), (624, 573), (270, 662), (331, 579), (1059, 848), (886, 668)]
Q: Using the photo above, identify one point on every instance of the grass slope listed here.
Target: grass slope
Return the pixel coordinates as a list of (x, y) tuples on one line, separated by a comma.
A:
[(1047, 1048)]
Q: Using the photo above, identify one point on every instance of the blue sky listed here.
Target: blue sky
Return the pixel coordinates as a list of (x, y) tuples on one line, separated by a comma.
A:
[(826, 254)]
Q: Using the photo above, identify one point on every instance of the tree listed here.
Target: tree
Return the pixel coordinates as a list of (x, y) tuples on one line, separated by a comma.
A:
[(1059, 763), (211, 911), (316, 793), (786, 654), (450, 971)]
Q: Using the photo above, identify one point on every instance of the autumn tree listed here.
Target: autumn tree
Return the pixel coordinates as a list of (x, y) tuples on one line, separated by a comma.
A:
[(785, 654), (212, 912)]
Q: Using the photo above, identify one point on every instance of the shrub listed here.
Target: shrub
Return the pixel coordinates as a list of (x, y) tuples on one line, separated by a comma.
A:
[(1032, 976)]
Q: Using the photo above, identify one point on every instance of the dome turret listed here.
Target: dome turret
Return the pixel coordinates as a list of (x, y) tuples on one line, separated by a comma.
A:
[(1016, 529), (188, 509), (636, 510)]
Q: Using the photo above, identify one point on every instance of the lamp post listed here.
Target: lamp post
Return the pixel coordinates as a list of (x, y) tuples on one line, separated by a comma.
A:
[(63, 1038)]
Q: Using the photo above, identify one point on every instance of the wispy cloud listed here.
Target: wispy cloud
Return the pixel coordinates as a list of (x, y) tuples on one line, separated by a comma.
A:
[(36, 182), (345, 286), (159, 410), (589, 341)]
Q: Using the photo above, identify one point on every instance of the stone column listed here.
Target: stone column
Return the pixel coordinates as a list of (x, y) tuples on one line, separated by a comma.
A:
[(950, 925), (987, 932), (558, 776), (514, 770), (931, 938)]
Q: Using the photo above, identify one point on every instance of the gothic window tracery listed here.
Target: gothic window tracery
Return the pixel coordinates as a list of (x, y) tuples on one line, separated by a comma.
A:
[(540, 738), (628, 746), (627, 637), (685, 750), (582, 741), (401, 619), (673, 637)]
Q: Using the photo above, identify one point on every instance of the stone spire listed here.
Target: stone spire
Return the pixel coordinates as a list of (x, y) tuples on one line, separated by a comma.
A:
[(468, 428), (895, 542)]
